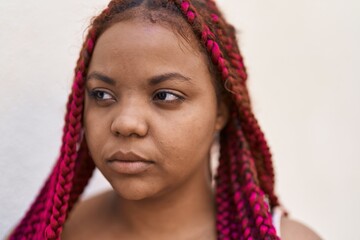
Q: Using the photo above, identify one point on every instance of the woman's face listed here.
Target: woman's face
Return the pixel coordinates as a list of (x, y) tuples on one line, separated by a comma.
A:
[(150, 110)]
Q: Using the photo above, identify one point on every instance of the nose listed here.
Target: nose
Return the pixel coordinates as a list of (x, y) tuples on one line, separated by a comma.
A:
[(130, 121)]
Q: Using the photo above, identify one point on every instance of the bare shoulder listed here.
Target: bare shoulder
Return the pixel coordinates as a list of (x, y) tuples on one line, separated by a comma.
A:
[(86, 217), (90, 205), (294, 230)]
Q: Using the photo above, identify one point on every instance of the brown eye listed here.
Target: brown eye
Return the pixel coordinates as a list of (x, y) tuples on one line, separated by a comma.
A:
[(167, 96), (100, 95)]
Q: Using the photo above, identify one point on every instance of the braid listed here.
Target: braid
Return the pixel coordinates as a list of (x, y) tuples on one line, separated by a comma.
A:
[(256, 221), (84, 169), (226, 34), (31, 223), (245, 175), (72, 137), (244, 178), (223, 194), (47, 215)]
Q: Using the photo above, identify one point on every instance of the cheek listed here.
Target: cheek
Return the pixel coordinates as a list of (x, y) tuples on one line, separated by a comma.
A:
[(95, 128), (186, 140)]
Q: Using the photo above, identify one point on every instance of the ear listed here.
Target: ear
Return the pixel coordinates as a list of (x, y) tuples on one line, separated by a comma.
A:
[(222, 115)]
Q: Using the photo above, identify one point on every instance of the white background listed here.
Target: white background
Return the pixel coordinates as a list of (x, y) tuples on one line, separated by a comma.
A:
[(303, 58)]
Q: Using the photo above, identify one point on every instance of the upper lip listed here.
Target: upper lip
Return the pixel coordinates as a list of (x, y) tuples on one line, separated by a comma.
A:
[(128, 157)]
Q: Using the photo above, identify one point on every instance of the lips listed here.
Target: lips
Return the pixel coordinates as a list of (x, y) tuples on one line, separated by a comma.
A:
[(129, 163)]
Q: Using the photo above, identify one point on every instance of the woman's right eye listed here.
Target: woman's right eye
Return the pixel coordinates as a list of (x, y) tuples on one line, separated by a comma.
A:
[(100, 95)]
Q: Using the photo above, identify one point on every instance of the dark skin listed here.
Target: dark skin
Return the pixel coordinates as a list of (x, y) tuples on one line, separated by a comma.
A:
[(169, 124), (150, 94)]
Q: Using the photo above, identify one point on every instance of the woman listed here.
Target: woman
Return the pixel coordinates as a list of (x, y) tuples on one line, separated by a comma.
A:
[(155, 84)]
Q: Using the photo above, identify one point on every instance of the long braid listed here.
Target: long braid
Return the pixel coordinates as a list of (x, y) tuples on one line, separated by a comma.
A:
[(254, 195), (223, 194), (32, 221), (76, 164), (245, 175), (83, 171), (227, 36), (242, 209), (49, 203), (72, 137), (52, 204)]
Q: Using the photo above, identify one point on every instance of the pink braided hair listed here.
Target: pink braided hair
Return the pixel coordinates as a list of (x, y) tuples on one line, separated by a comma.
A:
[(245, 175), (249, 193)]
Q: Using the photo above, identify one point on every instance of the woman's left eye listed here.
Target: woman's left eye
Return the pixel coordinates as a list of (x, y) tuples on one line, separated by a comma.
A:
[(167, 96)]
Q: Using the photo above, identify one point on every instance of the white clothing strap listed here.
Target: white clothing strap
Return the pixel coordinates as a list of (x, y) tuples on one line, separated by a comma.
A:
[(276, 219)]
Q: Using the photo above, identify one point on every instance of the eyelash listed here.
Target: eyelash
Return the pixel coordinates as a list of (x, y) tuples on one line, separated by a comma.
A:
[(177, 97), (94, 94), (156, 97)]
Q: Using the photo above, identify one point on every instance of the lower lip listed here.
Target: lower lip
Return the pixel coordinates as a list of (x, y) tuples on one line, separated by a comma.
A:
[(130, 167)]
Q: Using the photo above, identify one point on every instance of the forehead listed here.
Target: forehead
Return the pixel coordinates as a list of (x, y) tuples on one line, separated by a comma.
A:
[(140, 31), (153, 25), (145, 46)]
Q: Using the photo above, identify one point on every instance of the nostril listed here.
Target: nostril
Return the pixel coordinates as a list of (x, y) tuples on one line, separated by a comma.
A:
[(118, 134)]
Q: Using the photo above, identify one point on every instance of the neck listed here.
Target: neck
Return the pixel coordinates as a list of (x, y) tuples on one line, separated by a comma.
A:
[(171, 214)]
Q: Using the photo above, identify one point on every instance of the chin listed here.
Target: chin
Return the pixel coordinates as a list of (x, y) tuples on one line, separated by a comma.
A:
[(132, 195), (134, 190)]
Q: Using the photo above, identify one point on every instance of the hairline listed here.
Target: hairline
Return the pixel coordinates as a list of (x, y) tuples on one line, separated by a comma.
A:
[(175, 23)]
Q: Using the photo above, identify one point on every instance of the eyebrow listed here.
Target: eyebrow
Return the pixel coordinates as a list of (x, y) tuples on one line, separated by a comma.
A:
[(167, 76), (101, 77), (152, 81)]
